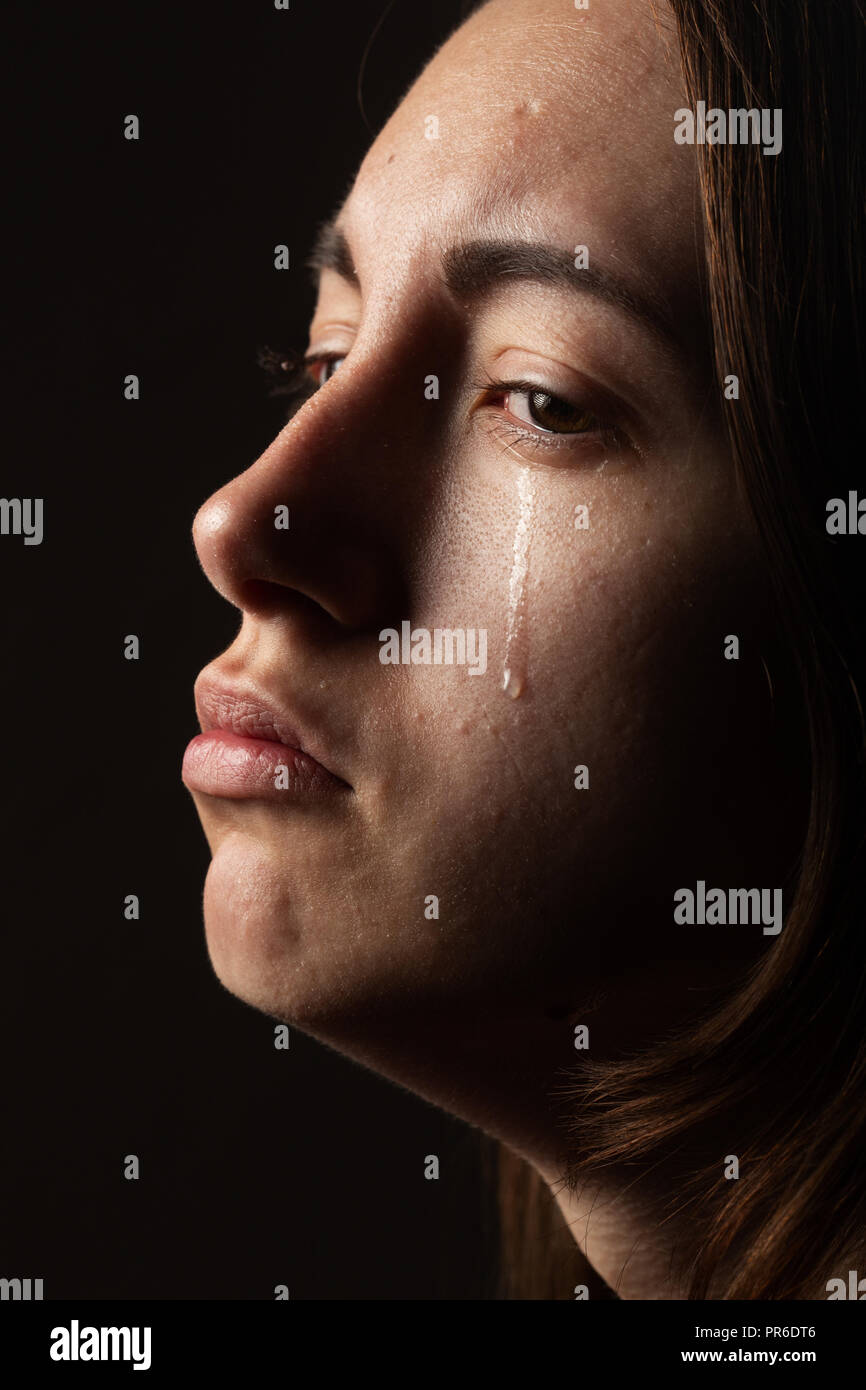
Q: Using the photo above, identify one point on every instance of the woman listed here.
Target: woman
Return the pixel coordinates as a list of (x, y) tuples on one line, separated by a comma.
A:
[(533, 779)]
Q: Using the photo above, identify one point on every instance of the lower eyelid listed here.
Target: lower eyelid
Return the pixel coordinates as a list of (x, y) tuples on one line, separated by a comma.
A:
[(569, 448)]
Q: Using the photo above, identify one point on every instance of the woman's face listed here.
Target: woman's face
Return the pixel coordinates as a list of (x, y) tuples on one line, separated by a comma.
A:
[(521, 439)]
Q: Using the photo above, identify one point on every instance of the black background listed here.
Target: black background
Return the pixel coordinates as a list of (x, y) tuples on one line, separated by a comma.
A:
[(155, 257)]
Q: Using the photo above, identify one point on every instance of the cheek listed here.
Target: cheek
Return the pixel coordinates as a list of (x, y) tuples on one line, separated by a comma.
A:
[(627, 657), (612, 639)]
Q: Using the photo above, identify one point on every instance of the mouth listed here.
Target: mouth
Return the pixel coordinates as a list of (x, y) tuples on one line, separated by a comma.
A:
[(250, 750)]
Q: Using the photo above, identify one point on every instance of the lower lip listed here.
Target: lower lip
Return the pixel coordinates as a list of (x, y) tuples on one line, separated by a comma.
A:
[(220, 763)]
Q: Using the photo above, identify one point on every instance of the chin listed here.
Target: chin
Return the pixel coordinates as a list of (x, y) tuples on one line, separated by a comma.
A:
[(274, 946), (253, 938)]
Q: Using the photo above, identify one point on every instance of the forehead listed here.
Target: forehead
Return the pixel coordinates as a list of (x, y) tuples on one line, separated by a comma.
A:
[(543, 121)]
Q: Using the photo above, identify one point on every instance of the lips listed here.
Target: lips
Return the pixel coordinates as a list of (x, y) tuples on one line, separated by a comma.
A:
[(248, 749)]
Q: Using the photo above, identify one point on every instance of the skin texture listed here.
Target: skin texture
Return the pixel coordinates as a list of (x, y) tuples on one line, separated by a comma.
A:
[(555, 904)]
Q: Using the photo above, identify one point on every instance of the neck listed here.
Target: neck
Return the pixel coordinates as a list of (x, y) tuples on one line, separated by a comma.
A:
[(620, 1236)]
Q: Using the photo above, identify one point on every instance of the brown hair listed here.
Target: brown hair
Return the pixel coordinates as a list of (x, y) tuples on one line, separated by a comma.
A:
[(781, 1065)]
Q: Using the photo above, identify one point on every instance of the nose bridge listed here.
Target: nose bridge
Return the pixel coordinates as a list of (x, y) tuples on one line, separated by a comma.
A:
[(328, 509)]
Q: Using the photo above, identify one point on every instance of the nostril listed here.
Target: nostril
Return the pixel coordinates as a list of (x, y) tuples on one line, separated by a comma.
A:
[(263, 598)]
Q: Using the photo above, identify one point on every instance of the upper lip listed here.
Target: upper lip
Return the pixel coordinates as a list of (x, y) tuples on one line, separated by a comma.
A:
[(245, 712)]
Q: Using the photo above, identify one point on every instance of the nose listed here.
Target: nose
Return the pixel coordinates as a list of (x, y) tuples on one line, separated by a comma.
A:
[(316, 519)]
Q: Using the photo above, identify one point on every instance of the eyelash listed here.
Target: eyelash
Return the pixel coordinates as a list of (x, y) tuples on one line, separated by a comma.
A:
[(290, 379)]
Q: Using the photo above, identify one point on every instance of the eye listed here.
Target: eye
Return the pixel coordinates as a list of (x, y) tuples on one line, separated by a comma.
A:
[(322, 368), (295, 377), (535, 423), (547, 412), (527, 403)]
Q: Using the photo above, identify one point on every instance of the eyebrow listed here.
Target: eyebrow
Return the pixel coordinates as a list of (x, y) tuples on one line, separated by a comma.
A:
[(331, 252), (473, 270)]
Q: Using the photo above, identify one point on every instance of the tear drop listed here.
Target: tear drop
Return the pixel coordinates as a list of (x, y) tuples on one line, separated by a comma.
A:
[(512, 684), (514, 672)]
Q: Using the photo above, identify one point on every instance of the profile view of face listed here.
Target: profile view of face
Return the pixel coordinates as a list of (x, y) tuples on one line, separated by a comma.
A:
[(514, 435)]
